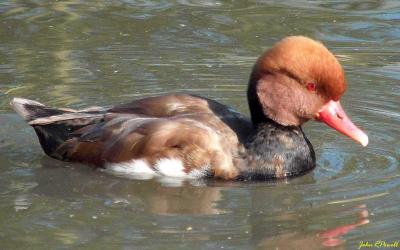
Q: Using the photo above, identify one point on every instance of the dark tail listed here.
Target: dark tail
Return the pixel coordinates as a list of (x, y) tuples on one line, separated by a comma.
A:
[(54, 126), (31, 110)]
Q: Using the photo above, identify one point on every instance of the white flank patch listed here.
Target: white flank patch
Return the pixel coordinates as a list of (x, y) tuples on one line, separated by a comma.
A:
[(170, 171), (171, 168), (137, 169)]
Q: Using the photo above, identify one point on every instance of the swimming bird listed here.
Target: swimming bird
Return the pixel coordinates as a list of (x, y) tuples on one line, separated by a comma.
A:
[(188, 136)]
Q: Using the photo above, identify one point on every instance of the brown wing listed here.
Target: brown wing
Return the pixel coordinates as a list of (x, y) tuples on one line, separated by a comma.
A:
[(150, 139), (181, 127), (183, 104)]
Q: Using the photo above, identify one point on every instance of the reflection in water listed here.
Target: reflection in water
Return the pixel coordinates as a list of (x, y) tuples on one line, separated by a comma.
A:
[(328, 238), (154, 196), (204, 199)]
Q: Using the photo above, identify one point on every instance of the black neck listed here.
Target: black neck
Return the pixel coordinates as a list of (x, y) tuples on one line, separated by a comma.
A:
[(256, 112), (276, 151)]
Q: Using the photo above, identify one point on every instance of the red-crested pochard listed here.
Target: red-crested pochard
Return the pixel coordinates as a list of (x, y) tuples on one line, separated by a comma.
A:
[(187, 136)]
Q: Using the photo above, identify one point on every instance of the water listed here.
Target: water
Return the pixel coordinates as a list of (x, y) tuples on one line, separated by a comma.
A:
[(76, 54)]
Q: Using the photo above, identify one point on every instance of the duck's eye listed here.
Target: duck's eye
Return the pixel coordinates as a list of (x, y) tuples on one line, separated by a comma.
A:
[(311, 86)]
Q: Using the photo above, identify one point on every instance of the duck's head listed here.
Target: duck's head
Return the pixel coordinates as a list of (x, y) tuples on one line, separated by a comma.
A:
[(299, 79)]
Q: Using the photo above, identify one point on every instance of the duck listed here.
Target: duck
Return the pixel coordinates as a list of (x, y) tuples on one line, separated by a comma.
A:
[(183, 135)]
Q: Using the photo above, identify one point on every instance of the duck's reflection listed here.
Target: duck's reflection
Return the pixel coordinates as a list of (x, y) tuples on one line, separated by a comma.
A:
[(165, 197), (276, 216)]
